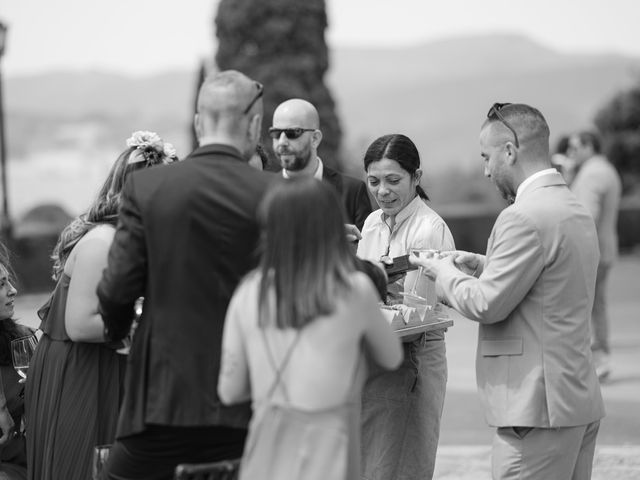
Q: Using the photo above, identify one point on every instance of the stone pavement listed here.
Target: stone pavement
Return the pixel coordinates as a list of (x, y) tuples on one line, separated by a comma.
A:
[(473, 463), (464, 450)]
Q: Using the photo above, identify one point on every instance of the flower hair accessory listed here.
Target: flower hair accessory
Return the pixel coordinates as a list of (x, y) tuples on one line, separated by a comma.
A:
[(154, 150)]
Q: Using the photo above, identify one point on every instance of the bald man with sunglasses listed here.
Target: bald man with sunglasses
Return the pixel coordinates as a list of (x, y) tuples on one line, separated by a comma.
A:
[(296, 137)]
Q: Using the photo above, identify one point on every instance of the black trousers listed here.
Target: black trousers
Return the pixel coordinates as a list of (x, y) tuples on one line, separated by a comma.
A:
[(155, 453)]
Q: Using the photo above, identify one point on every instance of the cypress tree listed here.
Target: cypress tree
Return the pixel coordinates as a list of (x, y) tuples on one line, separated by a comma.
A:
[(281, 44)]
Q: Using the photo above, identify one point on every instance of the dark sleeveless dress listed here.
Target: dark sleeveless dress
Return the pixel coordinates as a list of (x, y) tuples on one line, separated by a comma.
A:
[(72, 397)]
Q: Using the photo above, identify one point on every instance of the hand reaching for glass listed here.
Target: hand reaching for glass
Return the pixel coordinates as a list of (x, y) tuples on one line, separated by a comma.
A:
[(466, 262)]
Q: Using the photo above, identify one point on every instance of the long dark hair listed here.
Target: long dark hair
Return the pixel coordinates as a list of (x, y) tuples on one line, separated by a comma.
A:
[(396, 147), (306, 259), (105, 206), (9, 330)]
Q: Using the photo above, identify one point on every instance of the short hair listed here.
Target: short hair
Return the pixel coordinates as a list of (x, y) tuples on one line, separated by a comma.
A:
[(527, 121), (306, 259), (589, 137), (396, 147), (228, 92)]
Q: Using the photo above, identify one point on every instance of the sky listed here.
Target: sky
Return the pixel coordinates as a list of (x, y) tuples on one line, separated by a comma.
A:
[(143, 37)]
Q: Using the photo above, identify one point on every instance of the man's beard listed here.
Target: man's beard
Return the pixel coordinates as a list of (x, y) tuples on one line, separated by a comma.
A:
[(295, 164)]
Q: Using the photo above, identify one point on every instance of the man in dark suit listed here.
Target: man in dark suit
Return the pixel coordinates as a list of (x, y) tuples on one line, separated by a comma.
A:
[(296, 137), (186, 235)]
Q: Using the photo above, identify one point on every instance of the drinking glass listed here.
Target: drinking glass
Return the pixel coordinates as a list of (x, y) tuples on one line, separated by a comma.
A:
[(100, 457), (422, 294), (21, 352)]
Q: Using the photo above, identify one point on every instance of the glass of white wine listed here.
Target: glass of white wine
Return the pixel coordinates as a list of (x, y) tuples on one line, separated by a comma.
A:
[(99, 460), (21, 352)]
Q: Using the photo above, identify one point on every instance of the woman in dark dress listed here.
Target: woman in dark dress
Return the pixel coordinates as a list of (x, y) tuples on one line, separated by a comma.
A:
[(74, 384), (13, 459)]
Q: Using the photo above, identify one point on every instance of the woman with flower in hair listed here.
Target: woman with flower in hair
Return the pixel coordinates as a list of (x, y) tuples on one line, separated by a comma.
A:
[(73, 388)]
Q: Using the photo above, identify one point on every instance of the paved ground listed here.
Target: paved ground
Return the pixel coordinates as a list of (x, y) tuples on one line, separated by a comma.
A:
[(465, 440)]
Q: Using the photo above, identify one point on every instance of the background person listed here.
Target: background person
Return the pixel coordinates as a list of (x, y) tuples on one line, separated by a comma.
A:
[(296, 137), (401, 410), (532, 295), (562, 162), (598, 186), (13, 455), (293, 337), (74, 385), (186, 236)]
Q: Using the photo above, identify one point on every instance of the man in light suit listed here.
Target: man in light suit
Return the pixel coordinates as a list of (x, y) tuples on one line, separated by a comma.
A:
[(296, 137), (185, 237), (597, 185), (532, 295)]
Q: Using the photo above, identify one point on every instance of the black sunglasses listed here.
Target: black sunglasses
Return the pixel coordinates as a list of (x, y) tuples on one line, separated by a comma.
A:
[(290, 133), (494, 111), (255, 99)]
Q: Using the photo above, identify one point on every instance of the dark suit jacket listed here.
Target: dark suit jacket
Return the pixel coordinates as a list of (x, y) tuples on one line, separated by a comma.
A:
[(187, 233), (353, 193)]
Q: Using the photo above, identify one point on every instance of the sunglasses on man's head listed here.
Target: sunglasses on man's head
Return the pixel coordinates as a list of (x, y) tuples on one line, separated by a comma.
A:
[(255, 99), (290, 133), (494, 111)]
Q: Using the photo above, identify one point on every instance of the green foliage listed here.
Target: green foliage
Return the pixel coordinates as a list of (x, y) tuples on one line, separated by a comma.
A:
[(281, 44), (619, 122)]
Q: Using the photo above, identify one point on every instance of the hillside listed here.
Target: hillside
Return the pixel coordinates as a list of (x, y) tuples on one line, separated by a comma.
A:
[(437, 93)]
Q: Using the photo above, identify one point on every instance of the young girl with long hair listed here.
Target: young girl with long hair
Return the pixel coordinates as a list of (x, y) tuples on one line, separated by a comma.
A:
[(295, 334)]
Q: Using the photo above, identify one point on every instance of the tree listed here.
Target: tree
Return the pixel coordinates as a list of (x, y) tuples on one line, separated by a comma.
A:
[(281, 44), (619, 123)]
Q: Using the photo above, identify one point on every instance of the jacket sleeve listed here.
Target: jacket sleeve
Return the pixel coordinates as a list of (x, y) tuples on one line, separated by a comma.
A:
[(124, 279), (513, 264)]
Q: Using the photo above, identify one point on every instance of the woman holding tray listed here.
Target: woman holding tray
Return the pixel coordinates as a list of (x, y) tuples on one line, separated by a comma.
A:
[(401, 409)]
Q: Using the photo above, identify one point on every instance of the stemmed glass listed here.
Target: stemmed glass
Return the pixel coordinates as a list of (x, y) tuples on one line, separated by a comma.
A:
[(21, 352), (99, 460)]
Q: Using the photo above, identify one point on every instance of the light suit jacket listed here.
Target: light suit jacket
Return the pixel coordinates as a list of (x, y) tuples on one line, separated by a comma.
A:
[(597, 185), (533, 301)]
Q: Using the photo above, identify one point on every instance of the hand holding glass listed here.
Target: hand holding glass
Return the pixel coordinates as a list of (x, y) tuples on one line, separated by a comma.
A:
[(421, 296), (21, 352)]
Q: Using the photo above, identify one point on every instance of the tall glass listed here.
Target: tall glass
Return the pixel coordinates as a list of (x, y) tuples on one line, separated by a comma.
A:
[(100, 457), (422, 293), (21, 352)]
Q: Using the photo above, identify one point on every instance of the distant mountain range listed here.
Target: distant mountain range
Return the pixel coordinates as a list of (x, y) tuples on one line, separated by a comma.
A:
[(437, 93)]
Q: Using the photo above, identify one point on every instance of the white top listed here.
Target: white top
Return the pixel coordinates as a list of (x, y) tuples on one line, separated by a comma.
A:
[(529, 180), (417, 227)]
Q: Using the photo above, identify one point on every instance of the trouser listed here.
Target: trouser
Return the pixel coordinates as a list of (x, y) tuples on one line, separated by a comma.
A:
[(565, 453), (155, 453), (599, 317), (401, 413)]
